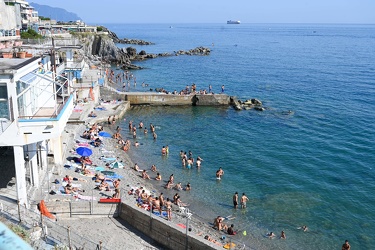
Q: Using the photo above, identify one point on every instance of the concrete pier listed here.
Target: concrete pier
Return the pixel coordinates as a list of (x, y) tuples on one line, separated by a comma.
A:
[(161, 99)]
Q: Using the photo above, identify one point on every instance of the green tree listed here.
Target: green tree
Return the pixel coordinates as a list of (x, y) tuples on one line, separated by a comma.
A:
[(30, 34)]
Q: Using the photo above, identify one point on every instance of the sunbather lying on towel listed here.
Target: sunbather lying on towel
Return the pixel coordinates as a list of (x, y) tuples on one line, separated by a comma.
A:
[(104, 186), (68, 189)]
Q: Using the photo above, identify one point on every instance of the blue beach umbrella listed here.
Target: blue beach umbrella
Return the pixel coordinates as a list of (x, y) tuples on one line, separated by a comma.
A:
[(83, 151), (104, 134)]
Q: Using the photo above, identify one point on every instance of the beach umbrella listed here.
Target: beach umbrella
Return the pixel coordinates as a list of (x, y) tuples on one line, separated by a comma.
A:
[(104, 134), (117, 164), (83, 151)]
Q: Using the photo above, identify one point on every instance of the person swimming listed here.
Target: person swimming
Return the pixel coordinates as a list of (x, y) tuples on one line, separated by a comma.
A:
[(270, 235)]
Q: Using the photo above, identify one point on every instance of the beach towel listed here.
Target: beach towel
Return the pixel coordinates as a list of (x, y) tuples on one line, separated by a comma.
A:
[(108, 159), (110, 183), (73, 184), (99, 169), (61, 191), (91, 174), (162, 213), (109, 200), (100, 108), (111, 175), (86, 198)]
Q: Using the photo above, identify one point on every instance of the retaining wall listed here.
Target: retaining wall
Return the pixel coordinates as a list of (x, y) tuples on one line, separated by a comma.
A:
[(164, 232)]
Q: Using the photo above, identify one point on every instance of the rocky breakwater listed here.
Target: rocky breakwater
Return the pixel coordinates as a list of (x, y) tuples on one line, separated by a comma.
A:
[(142, 55), (247, 104), (116, 39), (101, 48)]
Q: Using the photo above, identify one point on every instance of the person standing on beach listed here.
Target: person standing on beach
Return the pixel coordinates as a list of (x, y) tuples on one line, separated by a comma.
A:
[(161, 199), (168, 204), (235, 200), (244, 199), (222, 88), (209, 88)]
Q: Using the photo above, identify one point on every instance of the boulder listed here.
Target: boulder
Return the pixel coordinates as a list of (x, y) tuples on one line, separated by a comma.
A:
[(256, 102), (132, 52), (259, 108)]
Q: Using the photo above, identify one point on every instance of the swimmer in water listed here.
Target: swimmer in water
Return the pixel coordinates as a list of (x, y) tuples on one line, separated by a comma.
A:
[(282, 236), (270, 235), (304, 228)]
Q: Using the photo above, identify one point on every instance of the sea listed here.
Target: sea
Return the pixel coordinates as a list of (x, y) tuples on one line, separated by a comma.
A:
[(308, 159)]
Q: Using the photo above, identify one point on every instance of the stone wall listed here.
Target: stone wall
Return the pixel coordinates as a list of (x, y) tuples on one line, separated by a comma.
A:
[(163, 232)]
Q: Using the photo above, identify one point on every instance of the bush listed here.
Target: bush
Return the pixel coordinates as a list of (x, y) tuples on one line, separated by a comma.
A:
[(44, 18), (99, 28), (21, 232), (30, 33)]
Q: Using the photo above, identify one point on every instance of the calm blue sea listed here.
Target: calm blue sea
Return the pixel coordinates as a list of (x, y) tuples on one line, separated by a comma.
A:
[(314, 166)]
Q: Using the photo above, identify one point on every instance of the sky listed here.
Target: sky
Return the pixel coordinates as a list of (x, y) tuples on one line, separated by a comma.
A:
[(219, 11)]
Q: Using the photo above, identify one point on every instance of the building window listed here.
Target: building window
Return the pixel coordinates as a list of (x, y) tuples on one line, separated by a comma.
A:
[(4, 109)]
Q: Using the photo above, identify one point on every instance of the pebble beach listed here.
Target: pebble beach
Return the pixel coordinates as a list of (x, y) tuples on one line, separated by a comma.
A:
[(115, 233)]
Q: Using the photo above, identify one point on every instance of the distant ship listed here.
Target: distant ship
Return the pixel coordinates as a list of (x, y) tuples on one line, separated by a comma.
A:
[(233, 22)]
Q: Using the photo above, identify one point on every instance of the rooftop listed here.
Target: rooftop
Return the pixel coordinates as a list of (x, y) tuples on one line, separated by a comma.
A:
[(14, 63)]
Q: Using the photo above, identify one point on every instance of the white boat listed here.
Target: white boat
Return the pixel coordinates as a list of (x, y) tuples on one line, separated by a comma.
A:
[(233, 22)]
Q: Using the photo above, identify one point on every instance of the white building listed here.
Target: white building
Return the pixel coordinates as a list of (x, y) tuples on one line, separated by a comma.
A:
[(35, 105), (26, 15), (10, 23)]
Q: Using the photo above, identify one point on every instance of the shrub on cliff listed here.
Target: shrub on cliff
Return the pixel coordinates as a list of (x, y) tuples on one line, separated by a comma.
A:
[(30, 34)]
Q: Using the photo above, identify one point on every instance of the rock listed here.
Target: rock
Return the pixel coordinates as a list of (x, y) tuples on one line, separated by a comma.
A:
[(151, 56), (256, 102), (35, 233), (259, 108), (132, 52), (142, 53)]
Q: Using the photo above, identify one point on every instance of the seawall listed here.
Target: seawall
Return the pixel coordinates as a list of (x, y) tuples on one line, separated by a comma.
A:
[(161, 99), (162, 231)]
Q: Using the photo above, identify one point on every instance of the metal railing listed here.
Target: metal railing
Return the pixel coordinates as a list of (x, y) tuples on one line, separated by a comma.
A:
[(51, 231)]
